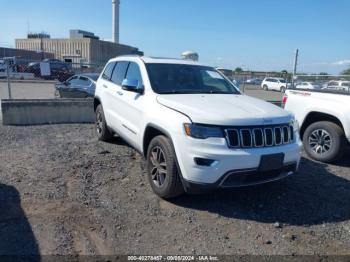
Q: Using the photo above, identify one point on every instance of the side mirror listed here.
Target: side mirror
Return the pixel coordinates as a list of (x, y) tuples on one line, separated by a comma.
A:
[(132, 85)]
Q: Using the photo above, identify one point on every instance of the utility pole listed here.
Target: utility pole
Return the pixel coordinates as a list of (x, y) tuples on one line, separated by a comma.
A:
[(8, 78), (295, 66)]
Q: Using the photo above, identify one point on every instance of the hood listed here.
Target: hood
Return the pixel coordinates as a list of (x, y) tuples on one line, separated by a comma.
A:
[(219, 109)]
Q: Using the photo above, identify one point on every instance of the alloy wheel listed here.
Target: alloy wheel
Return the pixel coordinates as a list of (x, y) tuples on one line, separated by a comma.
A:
[(320, 141), (158, 166), (99, 123)]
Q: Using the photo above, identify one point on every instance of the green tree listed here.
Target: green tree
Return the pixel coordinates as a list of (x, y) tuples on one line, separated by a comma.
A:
[(238, 70), (346, 72)]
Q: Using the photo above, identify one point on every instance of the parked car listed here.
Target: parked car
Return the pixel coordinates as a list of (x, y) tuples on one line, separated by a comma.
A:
[(340, 85), (2, 66), (193, 126), (254, 81), (59, 70), (308, 85), (78, 86), (324, 119), (274, 83)]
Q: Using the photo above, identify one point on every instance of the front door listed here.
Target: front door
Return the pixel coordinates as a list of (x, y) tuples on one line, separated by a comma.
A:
[(132, 105)]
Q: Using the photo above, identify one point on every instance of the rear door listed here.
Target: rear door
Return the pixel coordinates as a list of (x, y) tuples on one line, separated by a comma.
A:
[(84, 87), (66, 91), (275, 84), (104, 84)]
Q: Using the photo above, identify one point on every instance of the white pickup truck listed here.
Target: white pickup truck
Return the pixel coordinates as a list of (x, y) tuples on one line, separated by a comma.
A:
[(324, 120)]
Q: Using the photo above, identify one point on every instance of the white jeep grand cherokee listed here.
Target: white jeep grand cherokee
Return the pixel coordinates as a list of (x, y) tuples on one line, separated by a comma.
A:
[(193, 126)]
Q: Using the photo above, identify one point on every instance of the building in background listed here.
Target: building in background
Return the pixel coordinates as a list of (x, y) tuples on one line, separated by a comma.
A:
[(81, 47)]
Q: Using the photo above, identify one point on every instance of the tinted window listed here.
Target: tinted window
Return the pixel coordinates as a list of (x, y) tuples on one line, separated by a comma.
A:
[(84, 82), (134, 73), (119, 72), (107, 74), (188, 79), (73, 81)]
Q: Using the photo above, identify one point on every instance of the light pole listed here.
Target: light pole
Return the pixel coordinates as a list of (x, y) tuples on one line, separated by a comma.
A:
[(295, 66)]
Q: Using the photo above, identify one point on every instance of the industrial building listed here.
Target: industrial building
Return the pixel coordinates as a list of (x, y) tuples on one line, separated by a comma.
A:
[(81, 47)]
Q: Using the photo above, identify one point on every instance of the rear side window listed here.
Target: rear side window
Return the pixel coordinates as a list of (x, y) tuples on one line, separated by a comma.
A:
[(107, 74), (119, 72)]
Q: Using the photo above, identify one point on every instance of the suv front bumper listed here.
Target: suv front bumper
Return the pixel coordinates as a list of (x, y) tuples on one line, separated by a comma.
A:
[(241, 178), (231, 167)]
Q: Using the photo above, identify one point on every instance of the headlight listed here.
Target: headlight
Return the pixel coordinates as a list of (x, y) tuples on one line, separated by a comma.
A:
[(202, 131)]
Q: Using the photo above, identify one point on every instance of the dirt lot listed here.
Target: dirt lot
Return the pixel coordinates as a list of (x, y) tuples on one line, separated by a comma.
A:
[(63, 192)]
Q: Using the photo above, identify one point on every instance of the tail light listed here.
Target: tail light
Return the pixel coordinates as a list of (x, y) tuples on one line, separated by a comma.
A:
[(284, 100)]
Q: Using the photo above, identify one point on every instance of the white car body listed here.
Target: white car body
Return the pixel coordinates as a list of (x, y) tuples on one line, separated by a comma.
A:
[(325, 110), (130, 115), (302, 104), (307, 85), (339, 85), (274, 83)]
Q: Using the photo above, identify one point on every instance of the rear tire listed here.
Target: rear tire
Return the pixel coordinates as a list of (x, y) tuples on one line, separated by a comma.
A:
[(324, 141), (102, 130), (162, 170)]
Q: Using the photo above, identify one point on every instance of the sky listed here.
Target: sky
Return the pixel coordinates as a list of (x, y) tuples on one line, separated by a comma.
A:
[(252, 34)]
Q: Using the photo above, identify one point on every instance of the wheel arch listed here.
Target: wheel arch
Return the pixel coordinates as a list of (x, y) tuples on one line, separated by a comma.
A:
[(151, 131), (314, 117), (97, 102)]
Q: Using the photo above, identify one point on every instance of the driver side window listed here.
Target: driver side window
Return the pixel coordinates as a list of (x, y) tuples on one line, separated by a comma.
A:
[(134, 73)]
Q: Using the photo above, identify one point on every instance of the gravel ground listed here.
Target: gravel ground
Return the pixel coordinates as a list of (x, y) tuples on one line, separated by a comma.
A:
[(63, 192)]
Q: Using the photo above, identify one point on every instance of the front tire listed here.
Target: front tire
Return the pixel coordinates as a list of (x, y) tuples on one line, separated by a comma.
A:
[(283, 89), (266, 88), (102, 130), (162, 170), (324, 141)]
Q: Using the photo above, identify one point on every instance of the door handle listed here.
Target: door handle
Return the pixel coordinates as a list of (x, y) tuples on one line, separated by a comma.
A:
[(105, 86), (120, 93)]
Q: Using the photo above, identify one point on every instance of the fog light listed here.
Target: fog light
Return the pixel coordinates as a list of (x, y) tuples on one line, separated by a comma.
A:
[(204, 161)]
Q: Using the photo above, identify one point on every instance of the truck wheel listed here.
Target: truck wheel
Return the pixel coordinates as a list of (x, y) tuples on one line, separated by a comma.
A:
[(163, 173), (102, 131), (283, 89), (266, 88), (324, 141)]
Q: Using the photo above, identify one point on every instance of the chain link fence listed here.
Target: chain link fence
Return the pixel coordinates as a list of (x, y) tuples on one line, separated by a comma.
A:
[(32, 79), (40, 79)]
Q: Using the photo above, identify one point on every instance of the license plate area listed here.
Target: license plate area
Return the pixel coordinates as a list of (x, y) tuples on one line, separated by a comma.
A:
[(271, 162)]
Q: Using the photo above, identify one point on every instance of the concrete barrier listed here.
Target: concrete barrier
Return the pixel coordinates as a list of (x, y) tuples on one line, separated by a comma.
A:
[(47, 111)]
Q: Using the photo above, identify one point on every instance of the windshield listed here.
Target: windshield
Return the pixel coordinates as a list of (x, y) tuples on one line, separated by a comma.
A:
[(188, 79), (282, 80)]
